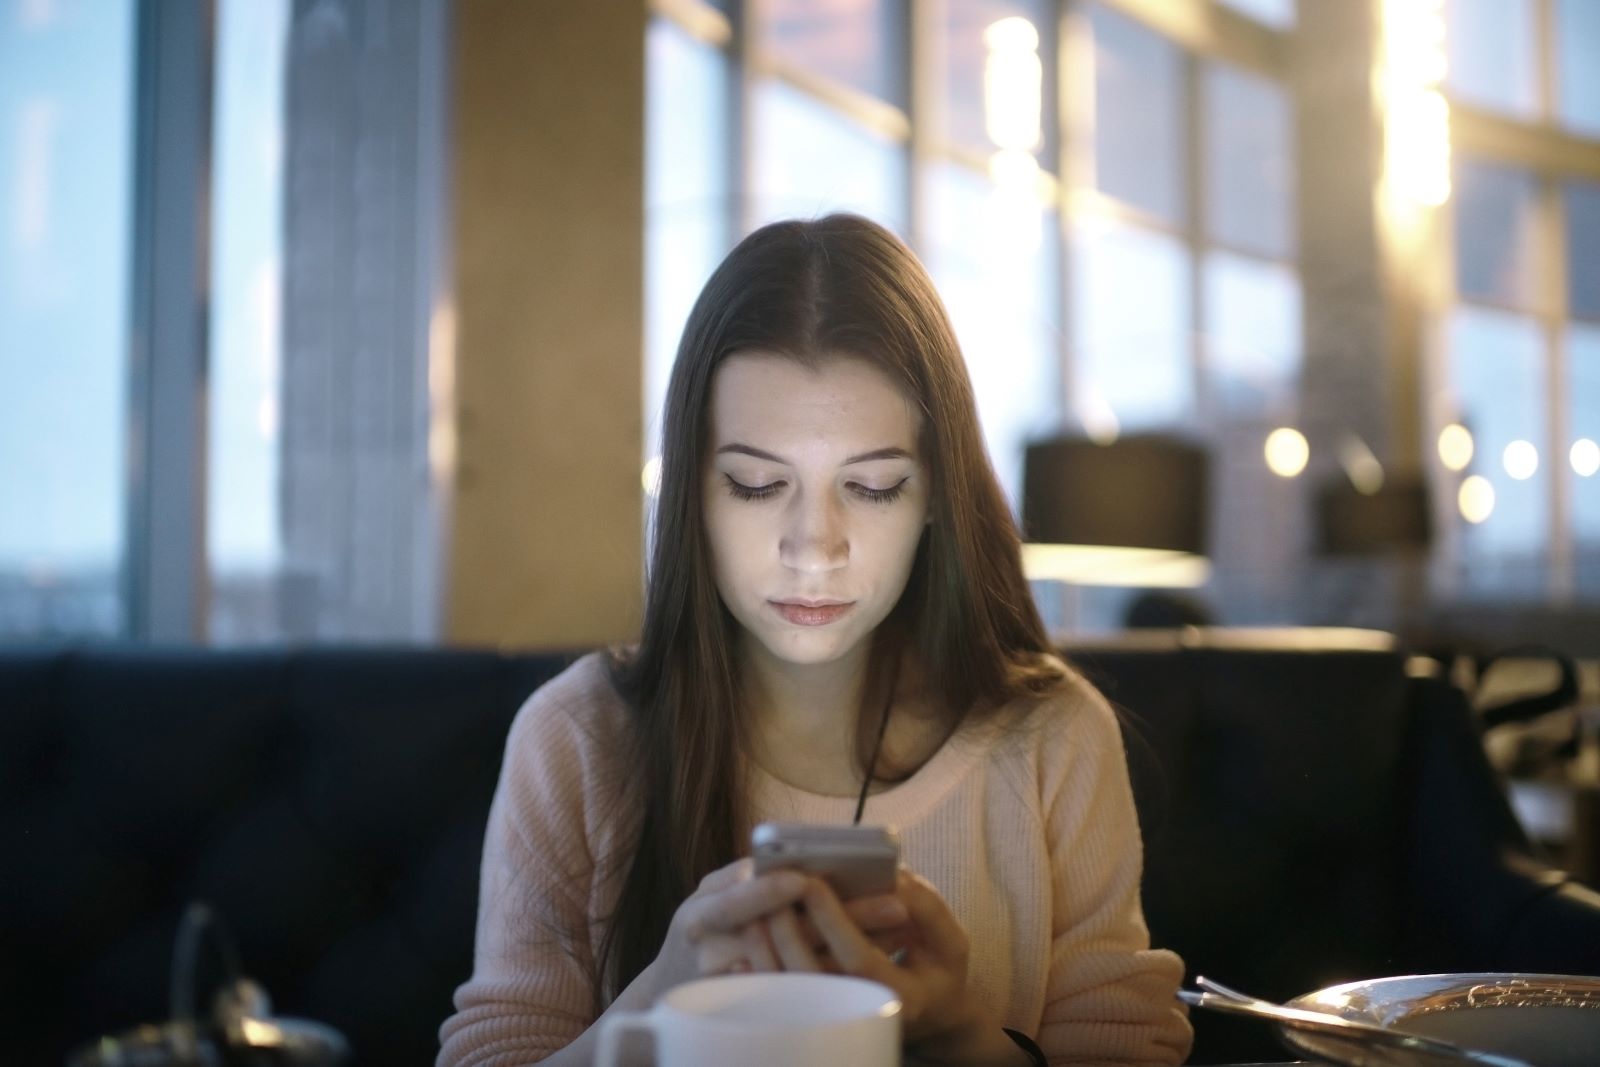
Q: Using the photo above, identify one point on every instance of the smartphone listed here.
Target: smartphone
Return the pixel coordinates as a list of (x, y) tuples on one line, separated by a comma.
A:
[(856, 861)]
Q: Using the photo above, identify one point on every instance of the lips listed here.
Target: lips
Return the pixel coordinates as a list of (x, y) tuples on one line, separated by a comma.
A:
[(811, 613)]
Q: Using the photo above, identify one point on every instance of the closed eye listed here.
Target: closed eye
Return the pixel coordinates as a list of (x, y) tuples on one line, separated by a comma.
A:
[(753, 492), (880, 496)]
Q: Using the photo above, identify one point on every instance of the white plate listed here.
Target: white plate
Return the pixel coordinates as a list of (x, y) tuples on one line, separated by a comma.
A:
[(1549, 1020)]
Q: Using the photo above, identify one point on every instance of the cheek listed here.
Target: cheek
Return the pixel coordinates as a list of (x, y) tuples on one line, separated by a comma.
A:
[(731, 539), (895, 545)]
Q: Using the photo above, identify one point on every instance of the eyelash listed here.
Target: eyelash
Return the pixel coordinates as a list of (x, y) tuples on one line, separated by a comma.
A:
[(762, 492)]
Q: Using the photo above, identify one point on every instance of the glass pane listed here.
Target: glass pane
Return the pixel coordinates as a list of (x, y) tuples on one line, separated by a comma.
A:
[(1581, 464), (1132, 320), (1497, 372), (1583, 248), (1253, 335), (992, 258), (66, 179), (1491, 54), (858, 43), (986, 81), (1495, 233), (243, 532), (688, 196), (328, 431), (1279, 14), (1578, 65), (1138, 116), (811, 160), (1249, 162)]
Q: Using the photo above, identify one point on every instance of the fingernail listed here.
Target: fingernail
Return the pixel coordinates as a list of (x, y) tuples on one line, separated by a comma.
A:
[(893, 911)]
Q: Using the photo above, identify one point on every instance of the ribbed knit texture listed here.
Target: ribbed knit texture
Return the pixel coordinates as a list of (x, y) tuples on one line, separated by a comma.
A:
[(1025, 823)]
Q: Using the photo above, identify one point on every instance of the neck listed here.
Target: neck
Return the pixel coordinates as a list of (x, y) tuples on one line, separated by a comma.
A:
[(803, 714)]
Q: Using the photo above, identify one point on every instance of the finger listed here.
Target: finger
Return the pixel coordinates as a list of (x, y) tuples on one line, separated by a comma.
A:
[(892, 941), (793, 945), (723, 877), (882, 912), (758, 947), (730, 909), (848, 945), (721, 954), (937, 925)]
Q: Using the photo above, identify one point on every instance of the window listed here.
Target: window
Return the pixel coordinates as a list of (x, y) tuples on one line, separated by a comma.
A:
[(1279, 14), (1132, 370), (244, 415), (66, 178), (1578, 75), (689, 200), (1492, 59), (1140, 142), (810, 159), (1091, 286), (306, 432), (856, 44), (1519, 342)]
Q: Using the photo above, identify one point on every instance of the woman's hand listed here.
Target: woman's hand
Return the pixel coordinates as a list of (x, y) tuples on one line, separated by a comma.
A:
[(737, 920), (940, 1020), (707, 934)]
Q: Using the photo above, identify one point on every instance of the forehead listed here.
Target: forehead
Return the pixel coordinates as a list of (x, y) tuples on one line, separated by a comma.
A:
[(765, 399)]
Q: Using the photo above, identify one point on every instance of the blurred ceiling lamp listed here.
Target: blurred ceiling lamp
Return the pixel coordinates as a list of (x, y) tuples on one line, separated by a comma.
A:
[(1475, 499), (1521, 460), (1585, 457), (1013, 81), (1455, 447), (1393, 519), (1416, 168), (1131, 513), (1286, 451)]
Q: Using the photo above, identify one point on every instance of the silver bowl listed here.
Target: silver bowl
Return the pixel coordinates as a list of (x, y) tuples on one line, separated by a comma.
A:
[(1547, 1020)]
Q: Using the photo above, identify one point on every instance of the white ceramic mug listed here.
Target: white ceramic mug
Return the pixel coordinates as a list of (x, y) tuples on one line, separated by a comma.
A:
[(769, 1020)]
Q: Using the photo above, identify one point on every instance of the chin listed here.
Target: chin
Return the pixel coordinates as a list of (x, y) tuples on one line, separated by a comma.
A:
[(810, 649)]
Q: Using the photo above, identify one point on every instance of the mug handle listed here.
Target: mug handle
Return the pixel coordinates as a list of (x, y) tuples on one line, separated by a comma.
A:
[(612, 1029)]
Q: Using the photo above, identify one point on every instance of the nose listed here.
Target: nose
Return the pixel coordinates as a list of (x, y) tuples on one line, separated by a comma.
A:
[(814, 538)]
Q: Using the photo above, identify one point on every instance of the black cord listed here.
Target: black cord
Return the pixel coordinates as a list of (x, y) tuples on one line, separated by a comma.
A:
[(877, 747), (1031, 1049)]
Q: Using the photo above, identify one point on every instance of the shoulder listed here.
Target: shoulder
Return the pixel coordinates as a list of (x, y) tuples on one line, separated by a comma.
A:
[(1071, 708), (1061, 732), (570, 717)]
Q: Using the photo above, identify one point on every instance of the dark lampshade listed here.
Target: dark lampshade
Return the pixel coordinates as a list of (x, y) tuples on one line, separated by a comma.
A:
[(1394, 519), (1133, 512)]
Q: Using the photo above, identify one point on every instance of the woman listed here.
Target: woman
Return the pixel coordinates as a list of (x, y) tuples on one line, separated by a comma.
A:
[(836, 625)]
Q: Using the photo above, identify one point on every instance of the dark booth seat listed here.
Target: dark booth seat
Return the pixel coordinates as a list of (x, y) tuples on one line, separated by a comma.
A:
[(330, 804), (1310, 816)]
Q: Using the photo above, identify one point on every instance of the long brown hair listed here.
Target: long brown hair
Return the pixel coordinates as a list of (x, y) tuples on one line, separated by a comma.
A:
[(811, 291)]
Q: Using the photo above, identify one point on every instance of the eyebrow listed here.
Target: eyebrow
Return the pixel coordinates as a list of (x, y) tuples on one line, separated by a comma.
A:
[(892, 452)]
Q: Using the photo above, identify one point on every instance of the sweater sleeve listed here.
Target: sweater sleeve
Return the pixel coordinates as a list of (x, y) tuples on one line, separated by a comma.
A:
[(1110, 998), (530, 992)]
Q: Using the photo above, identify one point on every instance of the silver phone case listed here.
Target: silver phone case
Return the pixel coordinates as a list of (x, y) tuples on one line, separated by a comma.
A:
[(855, 860)]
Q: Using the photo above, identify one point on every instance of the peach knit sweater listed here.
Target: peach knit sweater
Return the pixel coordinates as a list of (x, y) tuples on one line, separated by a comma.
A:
[(1025, 823)]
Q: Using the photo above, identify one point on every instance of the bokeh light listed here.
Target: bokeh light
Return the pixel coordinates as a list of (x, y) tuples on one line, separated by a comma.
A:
[(1287, 452)]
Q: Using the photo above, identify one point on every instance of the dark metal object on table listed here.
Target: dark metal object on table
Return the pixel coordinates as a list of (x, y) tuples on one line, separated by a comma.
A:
[(240, 1031), (1343, 1040)]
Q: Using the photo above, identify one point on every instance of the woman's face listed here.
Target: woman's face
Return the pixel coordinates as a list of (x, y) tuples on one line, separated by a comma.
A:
[(815, 498)]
